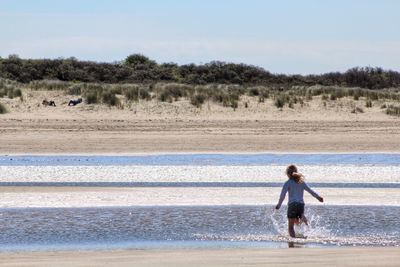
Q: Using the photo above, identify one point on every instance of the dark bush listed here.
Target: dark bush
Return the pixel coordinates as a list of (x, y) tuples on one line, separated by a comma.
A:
[(91, 98), (3, 109), (165, 96), (10, 93), (197, 100), (144, 94), (254, 92), (139, 68), (110, 99), (234, 104), (131, 93), (280, 101), (17, 93)]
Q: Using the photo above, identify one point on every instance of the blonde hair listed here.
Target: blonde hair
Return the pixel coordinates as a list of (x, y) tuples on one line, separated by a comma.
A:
[(293, 174)]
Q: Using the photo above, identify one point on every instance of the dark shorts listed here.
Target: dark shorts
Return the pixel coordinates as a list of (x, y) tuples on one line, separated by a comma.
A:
[(295, 210)]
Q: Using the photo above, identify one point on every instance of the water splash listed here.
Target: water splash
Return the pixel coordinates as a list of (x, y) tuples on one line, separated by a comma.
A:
[(317, 230)]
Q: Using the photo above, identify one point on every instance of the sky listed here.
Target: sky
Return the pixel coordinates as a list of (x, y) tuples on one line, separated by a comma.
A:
[(286, 36)]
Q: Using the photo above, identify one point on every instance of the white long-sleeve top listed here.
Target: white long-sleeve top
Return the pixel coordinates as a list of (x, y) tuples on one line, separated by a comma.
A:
[(296, 192)]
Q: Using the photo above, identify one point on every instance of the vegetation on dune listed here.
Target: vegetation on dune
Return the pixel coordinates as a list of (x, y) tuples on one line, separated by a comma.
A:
[(139, 78), (227, 95), (3, 109), (393, 110), (137, 68)]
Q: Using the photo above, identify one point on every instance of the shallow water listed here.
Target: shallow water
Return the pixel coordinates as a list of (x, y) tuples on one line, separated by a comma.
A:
[(194, 201), (131, 174), (329, 225), (204, 159)]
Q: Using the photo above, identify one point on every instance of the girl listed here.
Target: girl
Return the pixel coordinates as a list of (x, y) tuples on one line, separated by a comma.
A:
[(296, 186)]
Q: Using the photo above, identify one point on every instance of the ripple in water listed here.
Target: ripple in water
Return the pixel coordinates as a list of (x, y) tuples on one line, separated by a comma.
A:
[(329, 225)]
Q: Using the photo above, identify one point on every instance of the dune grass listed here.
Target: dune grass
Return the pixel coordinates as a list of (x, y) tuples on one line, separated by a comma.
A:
[(226, 95)]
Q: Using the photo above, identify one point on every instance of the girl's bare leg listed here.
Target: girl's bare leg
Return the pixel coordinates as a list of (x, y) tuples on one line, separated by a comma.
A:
[(291, 227), (304, 219)]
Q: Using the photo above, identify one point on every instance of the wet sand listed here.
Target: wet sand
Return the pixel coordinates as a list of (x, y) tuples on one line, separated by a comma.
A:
[(53, 135), (67, 197), (307, 257)]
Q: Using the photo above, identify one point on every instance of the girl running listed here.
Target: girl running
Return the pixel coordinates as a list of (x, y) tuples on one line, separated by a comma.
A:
[(296, 186)]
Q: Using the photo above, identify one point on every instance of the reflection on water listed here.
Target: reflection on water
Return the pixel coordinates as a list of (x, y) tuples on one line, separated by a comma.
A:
[(329, 225), (229, 176), (204, 159)]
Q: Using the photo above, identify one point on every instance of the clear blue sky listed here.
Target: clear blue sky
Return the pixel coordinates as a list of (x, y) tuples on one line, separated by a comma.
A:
[(286, 36)]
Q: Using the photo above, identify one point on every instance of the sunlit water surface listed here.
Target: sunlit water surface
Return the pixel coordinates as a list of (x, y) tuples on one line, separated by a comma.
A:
[(218, 224)]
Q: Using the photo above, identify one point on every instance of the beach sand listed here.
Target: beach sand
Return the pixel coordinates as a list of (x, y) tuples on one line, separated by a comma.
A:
[(152, 126), (307, 257)]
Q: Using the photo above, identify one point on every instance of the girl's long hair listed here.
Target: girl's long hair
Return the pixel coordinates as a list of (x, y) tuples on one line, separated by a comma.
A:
[(293, 174)]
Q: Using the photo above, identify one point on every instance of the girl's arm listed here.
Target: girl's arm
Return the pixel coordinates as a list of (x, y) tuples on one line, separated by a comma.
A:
[(283, 195), (313, 193)]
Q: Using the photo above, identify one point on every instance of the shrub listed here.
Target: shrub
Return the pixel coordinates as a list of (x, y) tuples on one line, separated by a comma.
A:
[(176, 90), (131, 93), (393, 110), (116, 90), (368, 103), (357, 110), (110, 99), (164, 96), (17, 93), (234, 104), (3, 92), (254, 92), (197, 100), (74, 90), (10, 93), (3, 109), (325, 97), (280, 101), (373, 95), (144, 94), (91, 98), (265, 94)]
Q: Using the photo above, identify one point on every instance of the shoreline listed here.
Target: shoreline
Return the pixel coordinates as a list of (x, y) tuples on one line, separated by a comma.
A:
[(172, 153), (352, 256)]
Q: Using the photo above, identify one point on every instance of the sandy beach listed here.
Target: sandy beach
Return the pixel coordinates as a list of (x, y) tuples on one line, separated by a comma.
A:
[(153, 126), (216, 257)]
